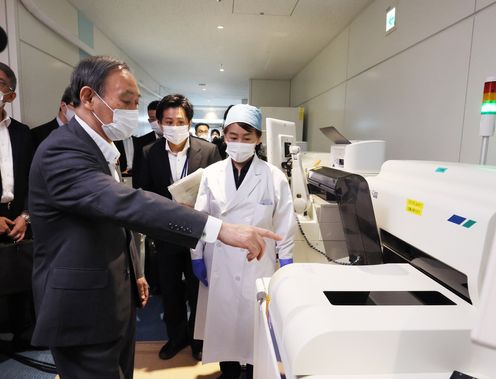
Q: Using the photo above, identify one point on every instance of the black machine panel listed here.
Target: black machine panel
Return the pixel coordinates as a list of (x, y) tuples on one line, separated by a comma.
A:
[(351, 193)]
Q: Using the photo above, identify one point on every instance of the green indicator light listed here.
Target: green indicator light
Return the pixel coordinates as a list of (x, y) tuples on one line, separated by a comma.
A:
[(441, 169), (469, 223), (488, 107)]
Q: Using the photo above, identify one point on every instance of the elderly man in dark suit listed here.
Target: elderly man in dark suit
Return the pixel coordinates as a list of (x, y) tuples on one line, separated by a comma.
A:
[(16, 153), (164, 162), (66, 112), (85, 279)]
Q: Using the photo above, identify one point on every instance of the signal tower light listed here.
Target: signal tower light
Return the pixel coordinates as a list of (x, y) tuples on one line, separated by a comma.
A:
[(488, 115)]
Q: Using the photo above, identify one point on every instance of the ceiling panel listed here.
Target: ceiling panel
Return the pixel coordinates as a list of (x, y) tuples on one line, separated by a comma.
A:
[(264, 7), (177, 41)]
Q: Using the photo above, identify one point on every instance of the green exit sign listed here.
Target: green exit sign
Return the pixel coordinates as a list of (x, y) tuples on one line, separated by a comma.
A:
[(390, 19)]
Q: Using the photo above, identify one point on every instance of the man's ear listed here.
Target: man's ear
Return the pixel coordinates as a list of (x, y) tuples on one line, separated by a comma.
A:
[(86, 96)]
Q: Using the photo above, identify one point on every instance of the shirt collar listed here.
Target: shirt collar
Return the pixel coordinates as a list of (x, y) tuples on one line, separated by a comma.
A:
[(108, 150), (6, 120), (182, 152), (59, 121)]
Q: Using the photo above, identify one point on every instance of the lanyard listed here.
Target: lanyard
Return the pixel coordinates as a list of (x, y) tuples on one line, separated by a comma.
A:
[(185, 169)]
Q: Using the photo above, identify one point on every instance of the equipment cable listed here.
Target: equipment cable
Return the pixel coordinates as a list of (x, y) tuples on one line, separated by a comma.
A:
[(311, 245)]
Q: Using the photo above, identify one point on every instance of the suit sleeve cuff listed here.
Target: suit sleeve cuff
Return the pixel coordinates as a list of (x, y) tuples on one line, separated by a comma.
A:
[(211, 230)]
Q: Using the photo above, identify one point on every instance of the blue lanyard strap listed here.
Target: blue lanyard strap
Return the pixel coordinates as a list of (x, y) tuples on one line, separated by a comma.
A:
[(185, 169)]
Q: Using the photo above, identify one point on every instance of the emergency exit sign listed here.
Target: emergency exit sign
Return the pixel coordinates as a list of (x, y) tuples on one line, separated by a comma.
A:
[(390, 19)]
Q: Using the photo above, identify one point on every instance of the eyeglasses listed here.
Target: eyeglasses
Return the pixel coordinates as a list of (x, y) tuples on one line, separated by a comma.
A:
[(5, 85)]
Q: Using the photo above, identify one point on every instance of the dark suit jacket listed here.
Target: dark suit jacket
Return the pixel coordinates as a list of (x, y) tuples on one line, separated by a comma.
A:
[(79, 212), (41, 132), (139, 143), (155, 172), (122, 158), (22, 155)]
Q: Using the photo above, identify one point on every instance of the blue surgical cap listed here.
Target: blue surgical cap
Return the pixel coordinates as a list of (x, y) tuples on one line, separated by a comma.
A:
[(244, 113)]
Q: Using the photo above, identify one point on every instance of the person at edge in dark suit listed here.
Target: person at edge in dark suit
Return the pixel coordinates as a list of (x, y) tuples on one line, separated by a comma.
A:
[(66, 112), (16, 154), (214, 134), (144, 140), (164, 162), (86, 280)]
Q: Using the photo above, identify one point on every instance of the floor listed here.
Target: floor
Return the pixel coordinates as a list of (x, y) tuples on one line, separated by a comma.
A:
[(147, 364)]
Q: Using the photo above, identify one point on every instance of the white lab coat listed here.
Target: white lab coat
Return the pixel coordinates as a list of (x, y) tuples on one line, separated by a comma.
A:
[(226, 309)]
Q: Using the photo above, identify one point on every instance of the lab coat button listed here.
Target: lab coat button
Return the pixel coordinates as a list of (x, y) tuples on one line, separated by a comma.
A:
[(237, 278)]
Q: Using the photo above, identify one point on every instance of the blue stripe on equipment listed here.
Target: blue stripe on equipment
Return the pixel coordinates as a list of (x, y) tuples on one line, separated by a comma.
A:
[(455, 219)]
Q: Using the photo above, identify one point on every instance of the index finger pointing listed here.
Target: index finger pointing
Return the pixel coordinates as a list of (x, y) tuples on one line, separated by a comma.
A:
[(268, 234)]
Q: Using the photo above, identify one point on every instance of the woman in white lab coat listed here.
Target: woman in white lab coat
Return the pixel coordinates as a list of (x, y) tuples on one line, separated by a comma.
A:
[(241, 189)]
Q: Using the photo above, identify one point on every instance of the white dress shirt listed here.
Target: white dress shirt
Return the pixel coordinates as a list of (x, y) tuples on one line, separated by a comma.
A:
[(59, 121), (129, 150), (6, 161), (178, 161), (109, 151)]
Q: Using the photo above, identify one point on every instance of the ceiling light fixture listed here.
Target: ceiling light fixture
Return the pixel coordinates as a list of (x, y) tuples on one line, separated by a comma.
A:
[(220, 27), (221, 69)]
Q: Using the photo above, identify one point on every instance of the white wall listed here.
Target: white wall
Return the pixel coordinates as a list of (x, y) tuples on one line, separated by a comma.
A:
[(46, 60), (269, 93), (419, 87)]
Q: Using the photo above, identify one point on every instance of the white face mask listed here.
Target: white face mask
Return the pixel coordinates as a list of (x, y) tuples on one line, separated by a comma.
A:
[(157, 128), (176, 134), (240, 152), (2, 95), (203, 136), (69, 114), (123, 123)]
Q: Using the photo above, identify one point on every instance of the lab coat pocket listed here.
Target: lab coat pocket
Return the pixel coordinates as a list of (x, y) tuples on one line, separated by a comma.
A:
[(262, 216)]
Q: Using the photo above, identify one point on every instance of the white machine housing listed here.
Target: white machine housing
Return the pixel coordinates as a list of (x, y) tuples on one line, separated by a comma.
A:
[(281, 135), (359, 156), (414, 201)]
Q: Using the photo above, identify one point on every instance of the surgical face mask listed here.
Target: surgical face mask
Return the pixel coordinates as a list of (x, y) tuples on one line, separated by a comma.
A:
[(240, 152), (176, 134), (124, 121), (69, 114), (203, 135), (2, 95), (157, 128)]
